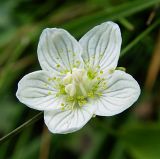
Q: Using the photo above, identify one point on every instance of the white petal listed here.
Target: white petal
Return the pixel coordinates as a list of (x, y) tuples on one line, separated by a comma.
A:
[(58, 51), (67, 121), (37, 91), (102, 46), (122, 92)]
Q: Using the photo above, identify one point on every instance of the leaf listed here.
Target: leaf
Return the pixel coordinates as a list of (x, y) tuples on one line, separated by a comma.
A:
[(111, 13), (10, 114), (143, 141)]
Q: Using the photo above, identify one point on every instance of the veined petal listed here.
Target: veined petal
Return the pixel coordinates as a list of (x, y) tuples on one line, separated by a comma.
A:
[(37, 90), (67, 121), (102, 46), (122, 91), (58, 51)]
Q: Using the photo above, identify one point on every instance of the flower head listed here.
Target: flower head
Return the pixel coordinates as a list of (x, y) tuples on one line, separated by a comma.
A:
[(78, 79)]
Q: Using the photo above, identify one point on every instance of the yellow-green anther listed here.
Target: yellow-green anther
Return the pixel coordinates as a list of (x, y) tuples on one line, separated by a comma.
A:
[(121, 69), (101, 72)]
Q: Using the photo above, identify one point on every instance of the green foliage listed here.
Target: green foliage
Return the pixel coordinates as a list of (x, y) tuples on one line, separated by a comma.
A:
[(133, 134), (142, 140)]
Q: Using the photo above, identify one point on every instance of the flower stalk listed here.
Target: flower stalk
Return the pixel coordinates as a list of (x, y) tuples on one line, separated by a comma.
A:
[(21, 127)]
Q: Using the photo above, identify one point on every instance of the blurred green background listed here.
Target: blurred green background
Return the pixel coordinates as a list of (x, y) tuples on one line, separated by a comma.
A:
[(133, 134)]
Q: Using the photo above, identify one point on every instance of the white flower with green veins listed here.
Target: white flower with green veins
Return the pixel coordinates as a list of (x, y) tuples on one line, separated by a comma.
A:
[(78, 80)]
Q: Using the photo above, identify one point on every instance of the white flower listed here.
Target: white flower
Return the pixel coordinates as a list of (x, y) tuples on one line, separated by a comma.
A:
[(78, 79)]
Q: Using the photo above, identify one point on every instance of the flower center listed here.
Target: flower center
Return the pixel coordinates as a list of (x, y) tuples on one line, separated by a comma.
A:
[(78, 86), (77, 83)]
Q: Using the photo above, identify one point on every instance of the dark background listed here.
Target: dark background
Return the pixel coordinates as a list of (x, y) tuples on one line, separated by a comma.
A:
[(133, 134)]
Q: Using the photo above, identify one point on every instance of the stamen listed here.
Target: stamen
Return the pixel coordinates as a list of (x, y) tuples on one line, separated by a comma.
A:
[(78, 86), (121, 69), (101, 72), (49, 93)]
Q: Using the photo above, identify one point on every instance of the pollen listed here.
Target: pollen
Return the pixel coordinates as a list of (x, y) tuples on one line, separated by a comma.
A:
[(62, 104), (54, 78), (101, 72), (98, 66), (49, 79), (49, 93), (91, 94), (82, 102), (91, 74), (99, 93), (78, 62)]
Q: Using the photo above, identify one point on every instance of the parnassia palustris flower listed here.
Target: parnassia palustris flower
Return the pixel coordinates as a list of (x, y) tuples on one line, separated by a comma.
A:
[(78, 79)]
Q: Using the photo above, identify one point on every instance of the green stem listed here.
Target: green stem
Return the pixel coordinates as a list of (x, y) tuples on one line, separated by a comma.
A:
[(21, 127), (139, 38), (126, 24)]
